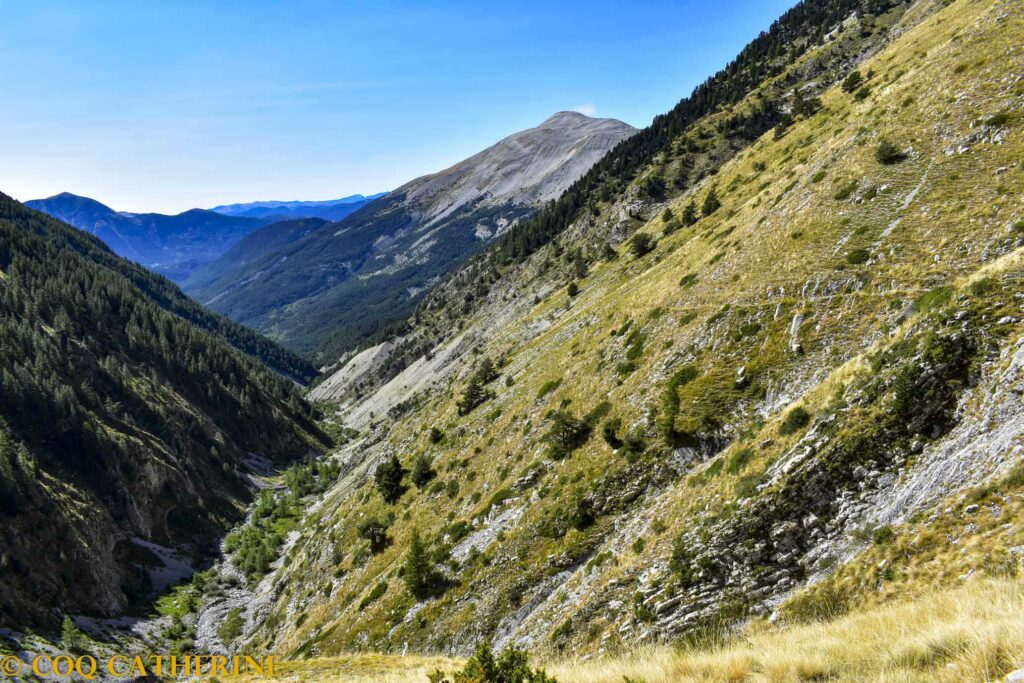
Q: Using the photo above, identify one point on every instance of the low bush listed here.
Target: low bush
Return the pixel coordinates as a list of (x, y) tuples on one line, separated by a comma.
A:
[(511, 666), (641, 244), (888, 153), (795, 420)]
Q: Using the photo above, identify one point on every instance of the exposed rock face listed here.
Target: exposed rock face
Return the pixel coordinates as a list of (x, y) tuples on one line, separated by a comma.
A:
[(527, 168)]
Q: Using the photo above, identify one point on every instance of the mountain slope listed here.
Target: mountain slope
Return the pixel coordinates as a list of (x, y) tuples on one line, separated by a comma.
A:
[(355, 278), (234, 265), (332, 209), (816, 375), (127, 417), (171, 245)]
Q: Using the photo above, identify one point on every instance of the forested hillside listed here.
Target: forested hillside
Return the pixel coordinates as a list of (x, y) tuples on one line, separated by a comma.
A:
[(126, 411)]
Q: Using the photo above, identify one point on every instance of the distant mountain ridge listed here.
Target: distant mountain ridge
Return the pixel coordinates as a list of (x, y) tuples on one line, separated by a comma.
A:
[(346, 281), (177, 245), (170, 245), (331, 209)]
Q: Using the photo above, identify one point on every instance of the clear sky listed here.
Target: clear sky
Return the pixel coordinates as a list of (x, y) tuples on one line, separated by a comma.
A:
[(165, 106)]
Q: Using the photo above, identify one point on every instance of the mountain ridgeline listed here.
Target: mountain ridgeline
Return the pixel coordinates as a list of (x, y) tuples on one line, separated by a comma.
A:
[(170, 245), (128, 414), (329, 210), (350, 281)]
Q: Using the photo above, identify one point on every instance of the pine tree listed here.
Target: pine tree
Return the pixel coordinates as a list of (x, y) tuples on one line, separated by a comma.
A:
[(476, 391), (690, 214), (711, 203), (71, 637), (422, 472), (852, 82), (375, 533), (418, 572), (388, 478), (641, 244)]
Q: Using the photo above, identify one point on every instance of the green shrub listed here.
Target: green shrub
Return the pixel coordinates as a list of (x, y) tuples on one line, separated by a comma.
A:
[(934, 299), (232, 626), (845, 191), (634, 444), (635, 345), (998, 120), (653, 186), (852, 82), (573, 289), (795, 420), (818, 177), (565, 435), (375, 532), (436, 435), (610, 432), (858, 256), (888, 153), (738, 462), (883, 535), (985, 285), (511, 666), (548, 387), (375, 594), (641, 244)]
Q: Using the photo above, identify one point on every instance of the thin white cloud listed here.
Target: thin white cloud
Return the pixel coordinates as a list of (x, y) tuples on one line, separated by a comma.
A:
[(586, 109)]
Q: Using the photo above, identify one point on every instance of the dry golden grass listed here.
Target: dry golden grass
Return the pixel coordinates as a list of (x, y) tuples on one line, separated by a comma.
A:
[(972, 633), (356, 668)]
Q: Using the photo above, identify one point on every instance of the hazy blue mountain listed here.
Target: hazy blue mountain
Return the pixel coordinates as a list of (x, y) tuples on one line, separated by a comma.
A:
[(331, 209), (172, 245)]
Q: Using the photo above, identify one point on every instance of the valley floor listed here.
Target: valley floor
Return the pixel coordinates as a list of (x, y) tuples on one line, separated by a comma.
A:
[(972, 633)]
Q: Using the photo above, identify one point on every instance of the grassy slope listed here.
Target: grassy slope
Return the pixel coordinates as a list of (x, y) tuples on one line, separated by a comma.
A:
[(776, 249)]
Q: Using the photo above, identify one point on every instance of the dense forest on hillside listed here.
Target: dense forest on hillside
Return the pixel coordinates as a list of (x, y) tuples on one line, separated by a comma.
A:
[(117, 389)]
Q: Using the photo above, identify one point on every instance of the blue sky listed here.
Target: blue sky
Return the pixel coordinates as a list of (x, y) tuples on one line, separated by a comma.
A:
[(165, 106)]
